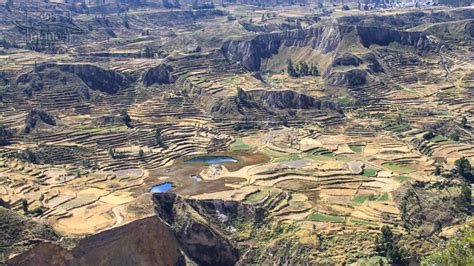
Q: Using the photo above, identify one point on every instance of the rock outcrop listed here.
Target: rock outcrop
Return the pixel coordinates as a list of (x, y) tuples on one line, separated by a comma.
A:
[(144, 242), (384, 36), (250, 52), (202, 232), (38, 119), (160, 75), (288, 99), (96, 78), (203, 243), (322, 38), (19, 233)]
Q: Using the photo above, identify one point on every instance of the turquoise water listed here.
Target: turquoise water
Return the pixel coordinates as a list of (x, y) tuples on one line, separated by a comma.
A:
[(165, 187), (212, 159)]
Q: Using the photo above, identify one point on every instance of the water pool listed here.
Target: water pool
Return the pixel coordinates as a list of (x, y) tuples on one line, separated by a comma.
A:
[(212, 159), (160, 188)]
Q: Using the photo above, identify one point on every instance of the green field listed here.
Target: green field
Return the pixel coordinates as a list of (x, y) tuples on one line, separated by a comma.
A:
[(319, 217), (362, 222), (438, 138), (289, 157), (356, 148), (383, 197), (359, 199), (370, 172), (239, 145), (398, 169), (256, 196)]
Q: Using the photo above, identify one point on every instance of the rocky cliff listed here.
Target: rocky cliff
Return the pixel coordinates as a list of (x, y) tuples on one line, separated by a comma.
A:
[(263, 105), (250, 52), (322, 38), (19, 233), (184, 231), (96, 78), (144, 242), (218, 232), (160, 74)]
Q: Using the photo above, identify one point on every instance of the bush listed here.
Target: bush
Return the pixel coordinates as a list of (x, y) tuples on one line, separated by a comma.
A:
[(246, 125), (29, 156), (428, 135), (455, 136), (386, 245), (463, 168), (458, 251), (356, 80), (126, 118), (4, 135)]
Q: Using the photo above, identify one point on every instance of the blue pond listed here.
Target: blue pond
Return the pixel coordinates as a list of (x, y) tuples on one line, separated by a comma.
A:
[(212, 159), (165, 187)]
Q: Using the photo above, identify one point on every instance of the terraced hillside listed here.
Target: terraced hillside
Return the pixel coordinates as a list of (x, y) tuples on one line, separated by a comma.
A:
[(283, 134)]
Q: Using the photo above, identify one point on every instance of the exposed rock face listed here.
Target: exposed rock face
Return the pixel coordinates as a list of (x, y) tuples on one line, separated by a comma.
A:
[(95, 77), (18, 232), (353, 78), (262, 105), (201, 242), (289, 99), (384, 36), (323, 38), (210, 232), (160, 74), (250, 52), (373, 63), (207, 232), (347, 59), (144, 242), (38, 118)]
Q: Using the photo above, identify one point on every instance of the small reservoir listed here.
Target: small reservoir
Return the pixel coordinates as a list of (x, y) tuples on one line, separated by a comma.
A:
[(212, 159), (161, 188)]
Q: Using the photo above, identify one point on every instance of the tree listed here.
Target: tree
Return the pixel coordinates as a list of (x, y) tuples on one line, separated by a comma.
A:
[(385, 245), (399, 119), (464, 122), (463, 168), (158, 137), (313, 70), (303, 69), (242, 96), (148, 52), (126, 118), (345, 7), (263, 18), (141, 155), (24, 206), (455, 136), (29, 156), (437, 170), (4, 135), (428, 135), (465, 198), (111, 153), (458, 251), (290, 69)]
